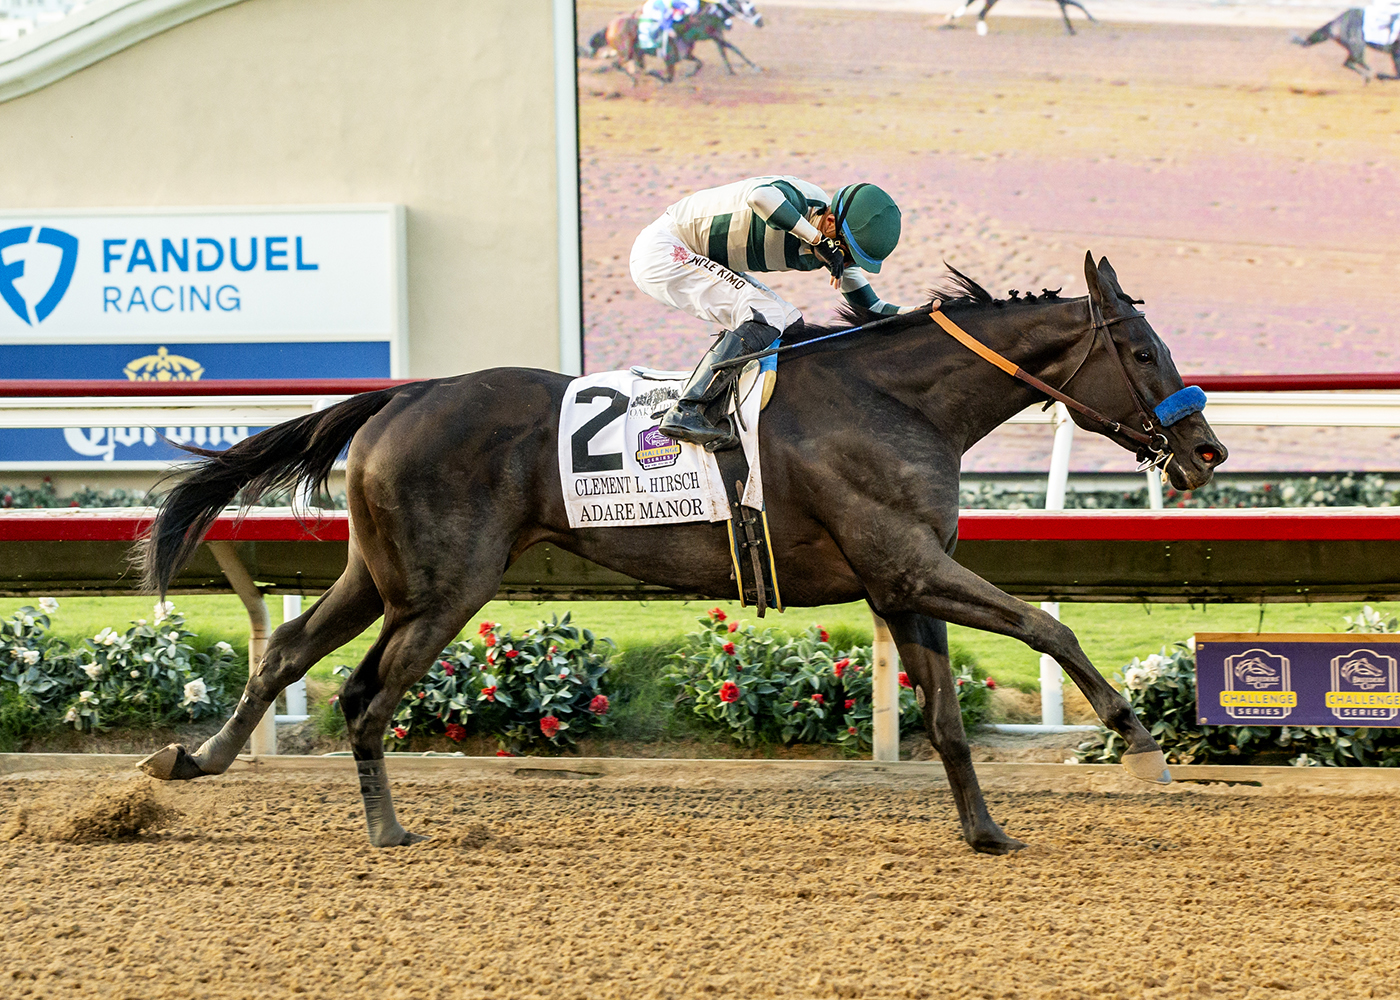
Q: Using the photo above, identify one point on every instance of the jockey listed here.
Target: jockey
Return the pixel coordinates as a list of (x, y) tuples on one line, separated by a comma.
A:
[(657, 20), (700, 255)]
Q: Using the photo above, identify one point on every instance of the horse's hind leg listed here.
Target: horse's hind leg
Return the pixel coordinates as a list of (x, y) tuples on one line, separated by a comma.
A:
[(347, 609), (923, 649)]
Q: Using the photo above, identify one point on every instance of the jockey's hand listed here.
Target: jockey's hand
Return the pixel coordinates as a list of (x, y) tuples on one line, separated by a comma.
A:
[(829, 252)]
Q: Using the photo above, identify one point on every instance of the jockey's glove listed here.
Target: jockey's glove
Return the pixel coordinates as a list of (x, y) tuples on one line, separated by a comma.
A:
[(829, 252)]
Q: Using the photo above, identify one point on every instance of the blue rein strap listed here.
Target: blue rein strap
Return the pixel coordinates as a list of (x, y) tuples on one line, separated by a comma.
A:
[(1180, 405)]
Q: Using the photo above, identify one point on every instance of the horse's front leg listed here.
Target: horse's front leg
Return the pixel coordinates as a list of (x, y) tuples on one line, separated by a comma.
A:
[(727, 45), (939, 587), (923, 650)]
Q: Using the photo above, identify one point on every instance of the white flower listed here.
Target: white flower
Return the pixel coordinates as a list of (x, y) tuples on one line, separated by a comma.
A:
[(1153, 666), (87, 698), (195, 691), (93, 670), (29, 657), (163, 610), (223, 647), (105, 638), (1071, 760), (135, 674), (1136, 677), (147, 658), (72, 715), (173, 636), (48, 605), (1191, 643)]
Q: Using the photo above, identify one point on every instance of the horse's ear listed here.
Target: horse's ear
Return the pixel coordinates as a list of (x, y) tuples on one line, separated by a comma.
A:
[(1106, 271), (1091, 278)]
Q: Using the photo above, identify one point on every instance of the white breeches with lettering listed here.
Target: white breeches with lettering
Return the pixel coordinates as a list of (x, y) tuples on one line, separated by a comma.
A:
[(670, 272)]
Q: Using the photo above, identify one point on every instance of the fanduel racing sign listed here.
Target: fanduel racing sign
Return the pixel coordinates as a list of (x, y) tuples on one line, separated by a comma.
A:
[(185, 294), (1297, 679)]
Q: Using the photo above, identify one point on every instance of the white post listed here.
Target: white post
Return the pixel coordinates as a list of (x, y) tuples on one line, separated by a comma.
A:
[(264, 738), (1052, 694), (296, 691), (885, 693), (1154, 489)]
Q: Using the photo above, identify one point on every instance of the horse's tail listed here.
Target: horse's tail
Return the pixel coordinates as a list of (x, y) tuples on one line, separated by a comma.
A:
[(296, 452)]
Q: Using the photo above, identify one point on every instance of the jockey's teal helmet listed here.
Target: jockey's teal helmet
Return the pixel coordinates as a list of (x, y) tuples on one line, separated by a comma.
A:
[(868, 221)]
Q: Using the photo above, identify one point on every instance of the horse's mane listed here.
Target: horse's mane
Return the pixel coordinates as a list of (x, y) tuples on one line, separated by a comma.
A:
[(954, 290)]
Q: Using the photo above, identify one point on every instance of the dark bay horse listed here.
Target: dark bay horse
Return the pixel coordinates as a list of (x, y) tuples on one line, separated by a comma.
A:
[(450, 480), (987, 5), (713, 21), (1346, 30), (709, 23)]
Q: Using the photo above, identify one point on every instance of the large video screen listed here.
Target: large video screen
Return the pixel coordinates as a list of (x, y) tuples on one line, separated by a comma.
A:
[(1241, 184)]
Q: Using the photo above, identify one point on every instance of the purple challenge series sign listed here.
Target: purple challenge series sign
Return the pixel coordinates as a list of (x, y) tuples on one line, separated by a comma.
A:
[(1297, 679)]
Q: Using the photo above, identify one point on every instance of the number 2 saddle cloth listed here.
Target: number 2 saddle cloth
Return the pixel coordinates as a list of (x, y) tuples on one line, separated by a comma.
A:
[(618, 470)]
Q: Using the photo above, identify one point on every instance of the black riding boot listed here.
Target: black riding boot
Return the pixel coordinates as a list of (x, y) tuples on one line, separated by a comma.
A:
[(686, 420)]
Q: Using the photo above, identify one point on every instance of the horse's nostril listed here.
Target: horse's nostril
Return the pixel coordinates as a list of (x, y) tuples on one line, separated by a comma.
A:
[(1207, 454)]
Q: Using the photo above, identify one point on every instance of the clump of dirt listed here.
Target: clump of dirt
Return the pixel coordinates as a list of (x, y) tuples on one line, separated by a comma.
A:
[(120, 813)]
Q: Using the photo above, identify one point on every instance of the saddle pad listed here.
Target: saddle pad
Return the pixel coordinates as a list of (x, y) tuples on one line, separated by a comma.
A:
[(617, 469), (1380, 24)]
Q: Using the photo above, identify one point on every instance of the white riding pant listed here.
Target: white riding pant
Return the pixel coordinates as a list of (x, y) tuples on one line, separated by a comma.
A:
[(670, 272)]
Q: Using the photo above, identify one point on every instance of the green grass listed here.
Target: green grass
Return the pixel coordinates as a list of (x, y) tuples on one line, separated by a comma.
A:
[(1111, 634)]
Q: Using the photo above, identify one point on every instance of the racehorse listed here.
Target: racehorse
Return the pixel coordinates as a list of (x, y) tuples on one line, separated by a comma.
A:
[(987, 5), (713, 20), (710, 23), (1346, 29), (450, 480)]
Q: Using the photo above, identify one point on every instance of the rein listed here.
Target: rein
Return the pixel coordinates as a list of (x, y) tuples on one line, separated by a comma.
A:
[(1176, 406)]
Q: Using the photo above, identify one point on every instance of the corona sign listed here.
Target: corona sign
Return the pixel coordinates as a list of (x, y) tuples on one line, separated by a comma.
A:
[(174, 295), (1297, 679)]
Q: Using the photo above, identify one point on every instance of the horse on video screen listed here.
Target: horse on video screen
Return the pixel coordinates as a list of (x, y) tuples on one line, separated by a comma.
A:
[(450, 480), (987, 5), (1348, 30), (709, 23)]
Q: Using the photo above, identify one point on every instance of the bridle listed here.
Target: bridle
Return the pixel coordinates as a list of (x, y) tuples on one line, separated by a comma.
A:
[(1154, 451)]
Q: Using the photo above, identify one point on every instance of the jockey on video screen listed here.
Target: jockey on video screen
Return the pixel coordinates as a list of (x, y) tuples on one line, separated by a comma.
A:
[(698, 257), (657, 20)]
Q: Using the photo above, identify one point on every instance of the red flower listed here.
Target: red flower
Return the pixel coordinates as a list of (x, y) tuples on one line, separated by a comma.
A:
[(490, 639), (729, 648), (456, 733), (599, 705), (718, 615), (733, 626), (904, 681), (491, 658), (553, 650), (822, 632), (851, 730), (448, 669), (850, 704), (728, 691), (549, 725), (512, 654), (489, 693), (504, 753), (961, 682), (819, 698), (485, 627), (839, 667), (422, 694), (991, 683), (400, 732), (797, 704)]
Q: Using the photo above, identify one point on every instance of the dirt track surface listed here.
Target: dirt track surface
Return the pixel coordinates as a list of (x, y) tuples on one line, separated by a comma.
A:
[(264, 888), (1243, 186)]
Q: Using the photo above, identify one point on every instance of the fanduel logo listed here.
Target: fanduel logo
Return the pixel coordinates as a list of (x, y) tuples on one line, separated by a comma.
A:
[(13, 269)]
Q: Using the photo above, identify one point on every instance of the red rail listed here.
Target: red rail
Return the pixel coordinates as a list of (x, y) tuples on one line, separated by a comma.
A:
[(36, 388), (1306, 524)]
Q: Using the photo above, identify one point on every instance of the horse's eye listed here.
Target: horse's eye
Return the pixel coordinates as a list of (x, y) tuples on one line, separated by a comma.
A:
[(1143, 357)]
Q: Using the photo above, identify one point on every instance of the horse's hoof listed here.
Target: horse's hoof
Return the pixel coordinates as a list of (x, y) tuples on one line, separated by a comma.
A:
[(173, 763), (400, 838), (1150, 766), (998, 845)]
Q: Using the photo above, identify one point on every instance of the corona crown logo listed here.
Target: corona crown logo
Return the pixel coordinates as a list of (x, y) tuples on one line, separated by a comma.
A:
[(67, 245), (163, 366)]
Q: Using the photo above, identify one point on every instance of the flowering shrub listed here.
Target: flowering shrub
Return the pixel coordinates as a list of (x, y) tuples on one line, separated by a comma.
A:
[(761, 685), (538, 691), (150, 675), (1162, 691)]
